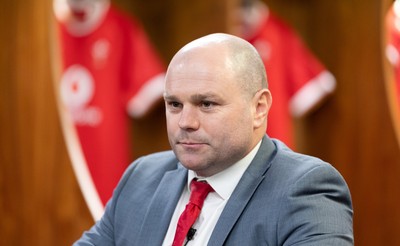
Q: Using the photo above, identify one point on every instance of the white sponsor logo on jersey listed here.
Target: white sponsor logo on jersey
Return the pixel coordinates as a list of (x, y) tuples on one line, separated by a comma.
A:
[(77, 90)]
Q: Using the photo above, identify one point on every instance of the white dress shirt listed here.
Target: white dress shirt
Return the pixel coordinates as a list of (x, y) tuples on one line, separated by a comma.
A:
[(223, 184)]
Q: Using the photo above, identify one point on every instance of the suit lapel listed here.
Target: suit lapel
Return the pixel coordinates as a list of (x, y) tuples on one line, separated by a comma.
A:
[(245, 189), (161, 208)]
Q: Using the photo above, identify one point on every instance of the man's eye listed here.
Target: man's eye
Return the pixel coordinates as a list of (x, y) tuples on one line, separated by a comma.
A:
[(174, 104), (207, 104)]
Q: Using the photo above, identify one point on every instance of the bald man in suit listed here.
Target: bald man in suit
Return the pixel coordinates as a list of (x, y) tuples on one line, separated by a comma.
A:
[(217, 102)]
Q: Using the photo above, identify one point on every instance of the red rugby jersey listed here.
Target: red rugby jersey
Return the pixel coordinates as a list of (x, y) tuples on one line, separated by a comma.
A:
[(297, 80), (103, 71)]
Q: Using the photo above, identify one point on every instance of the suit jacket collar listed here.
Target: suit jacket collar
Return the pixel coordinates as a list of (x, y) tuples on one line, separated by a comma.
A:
[(162, 207), (245, 189)]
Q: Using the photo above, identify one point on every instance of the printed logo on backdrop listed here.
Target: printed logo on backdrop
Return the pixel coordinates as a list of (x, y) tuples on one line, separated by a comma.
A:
[(77, 90)]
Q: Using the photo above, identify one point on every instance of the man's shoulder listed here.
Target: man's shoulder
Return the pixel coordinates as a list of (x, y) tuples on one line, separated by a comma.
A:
[(160, 158), (295, 162), (293, 170), (167, 154), (283, 151), (158, 162), (148, 170)]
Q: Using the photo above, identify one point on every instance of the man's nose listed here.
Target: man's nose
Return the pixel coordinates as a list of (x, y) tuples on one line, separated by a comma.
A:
[(189, 118)]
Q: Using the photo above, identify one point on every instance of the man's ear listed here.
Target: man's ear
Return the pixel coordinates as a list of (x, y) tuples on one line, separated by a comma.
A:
[(262, 102)]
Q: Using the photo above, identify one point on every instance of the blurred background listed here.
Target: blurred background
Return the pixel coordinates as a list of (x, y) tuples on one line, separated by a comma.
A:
[(355, 127)]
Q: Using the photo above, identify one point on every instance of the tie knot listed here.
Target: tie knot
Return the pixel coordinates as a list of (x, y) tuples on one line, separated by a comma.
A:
[(199, 191)]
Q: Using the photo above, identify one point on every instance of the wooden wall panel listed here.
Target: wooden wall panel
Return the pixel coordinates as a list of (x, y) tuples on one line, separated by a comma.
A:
[(40, 202)]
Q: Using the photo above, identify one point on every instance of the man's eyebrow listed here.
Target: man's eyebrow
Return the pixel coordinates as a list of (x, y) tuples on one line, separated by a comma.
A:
[(204, 96), (195, 97), (169, 97)]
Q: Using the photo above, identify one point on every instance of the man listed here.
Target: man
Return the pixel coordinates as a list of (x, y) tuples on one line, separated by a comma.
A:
[(217, 102)]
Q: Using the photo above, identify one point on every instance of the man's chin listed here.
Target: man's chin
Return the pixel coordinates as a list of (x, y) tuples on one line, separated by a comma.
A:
[(190, 162)]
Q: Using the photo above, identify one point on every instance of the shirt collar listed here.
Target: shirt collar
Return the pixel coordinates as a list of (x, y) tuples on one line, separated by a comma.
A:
[(225, 181)]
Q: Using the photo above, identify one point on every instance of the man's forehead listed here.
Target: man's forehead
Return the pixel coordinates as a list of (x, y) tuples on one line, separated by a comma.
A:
[(194, 94), (200, 92)]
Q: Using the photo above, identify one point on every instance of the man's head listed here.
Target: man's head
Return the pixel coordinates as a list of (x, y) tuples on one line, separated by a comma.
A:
[(217, 102)]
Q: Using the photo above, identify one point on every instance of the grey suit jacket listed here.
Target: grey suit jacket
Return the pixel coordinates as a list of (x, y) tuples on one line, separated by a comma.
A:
[(283, 198)]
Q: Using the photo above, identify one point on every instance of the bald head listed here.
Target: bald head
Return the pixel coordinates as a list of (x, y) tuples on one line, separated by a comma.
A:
[(233, 54), (216, 102)]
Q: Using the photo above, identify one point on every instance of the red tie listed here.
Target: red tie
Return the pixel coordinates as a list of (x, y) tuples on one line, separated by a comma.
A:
[(199, 191)]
